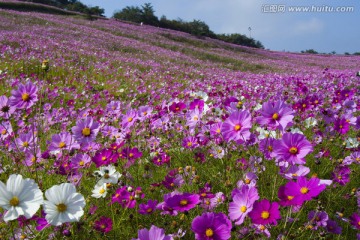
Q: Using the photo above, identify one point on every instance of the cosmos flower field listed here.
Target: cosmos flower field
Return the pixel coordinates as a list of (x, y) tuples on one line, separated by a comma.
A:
[(110, 130)]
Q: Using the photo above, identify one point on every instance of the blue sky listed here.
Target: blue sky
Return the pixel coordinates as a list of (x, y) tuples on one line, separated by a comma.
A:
[(324, 31)]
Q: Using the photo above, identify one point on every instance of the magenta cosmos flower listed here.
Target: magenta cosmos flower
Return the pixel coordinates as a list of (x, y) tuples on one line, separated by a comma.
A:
[(341, 126), (355, 220), (155, 233), (183, 201), (104, 224), (275, 115), (292, 148), (105, 157), (303, 189), (237, 126), (24, 97), (211, 226), (265, 212), (85, 130)]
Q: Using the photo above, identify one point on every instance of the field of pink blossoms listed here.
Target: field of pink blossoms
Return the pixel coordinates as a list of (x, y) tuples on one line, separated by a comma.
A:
[(110, 130)]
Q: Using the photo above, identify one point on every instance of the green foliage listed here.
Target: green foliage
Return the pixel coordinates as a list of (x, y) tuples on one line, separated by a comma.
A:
[(145, 14), (240, 39), (311, 51)]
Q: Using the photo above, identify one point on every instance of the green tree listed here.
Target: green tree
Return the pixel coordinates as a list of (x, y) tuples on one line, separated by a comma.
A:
[(132, 14), (148, 15)]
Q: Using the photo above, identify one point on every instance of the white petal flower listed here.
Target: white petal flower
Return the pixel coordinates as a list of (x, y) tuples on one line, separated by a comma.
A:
[(20, 197), (108, 174), (100, 190), (63, 204)]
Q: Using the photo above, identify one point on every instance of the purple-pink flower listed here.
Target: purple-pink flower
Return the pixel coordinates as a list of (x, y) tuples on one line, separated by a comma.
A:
[(183, 201), (275, 115), (85, 130), (104, 224), (264, 212), (236, 127), (211, 226), (24, 97), (292, 148), (155, 233)]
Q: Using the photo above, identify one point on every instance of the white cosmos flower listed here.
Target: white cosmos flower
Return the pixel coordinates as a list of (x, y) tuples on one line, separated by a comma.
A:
[(108, 174), (100, 190), (20, 197), (63, 204)]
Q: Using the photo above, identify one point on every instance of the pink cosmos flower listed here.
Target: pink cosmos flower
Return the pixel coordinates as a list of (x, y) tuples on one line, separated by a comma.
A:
[(183, 201), (236, 127), (265, 212), (275, 115), (24, 97), (5, 109), (63, 141), (85, 130), (242, 203), (155, 233), (341, 126), (104, 224), (211, 226), (303, 189), (292, 148)]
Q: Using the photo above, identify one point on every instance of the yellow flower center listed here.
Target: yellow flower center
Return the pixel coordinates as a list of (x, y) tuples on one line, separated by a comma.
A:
[(86, 132), (209, 232), (103, 158), (3, 132), (189, 144), (25, 97), (275, 116), (149, 210), (304, 105), (106, 175), (247, 181), (61, 207), (81, 163), (270, 148), (262, 227), (357, 159), (196, 118), (243, 209), (25, 144), (359, 223), (131, 154), (33, 159), (293, 150), (62, 145), (265, 215), (130, 119), (183, 202), (14, 201), (237, 127), (290, 198), (102, 190), (218, 130), (304, 190)]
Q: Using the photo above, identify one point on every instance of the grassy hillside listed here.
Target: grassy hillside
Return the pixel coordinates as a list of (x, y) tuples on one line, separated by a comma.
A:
[(153, 127)]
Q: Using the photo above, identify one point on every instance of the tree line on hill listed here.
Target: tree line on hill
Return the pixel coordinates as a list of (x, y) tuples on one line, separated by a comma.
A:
[(145, 14), (72, 5), (312, 51)]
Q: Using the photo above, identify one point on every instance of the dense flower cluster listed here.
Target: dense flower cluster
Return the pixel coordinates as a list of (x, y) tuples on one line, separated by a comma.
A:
[(127, 133)]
